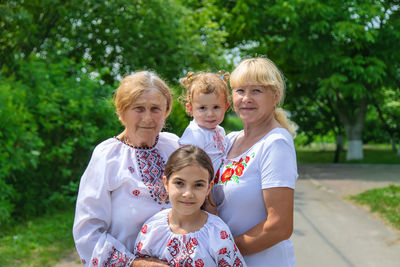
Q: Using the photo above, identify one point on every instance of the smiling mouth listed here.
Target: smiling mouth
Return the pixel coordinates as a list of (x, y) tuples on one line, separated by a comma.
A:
[(187, 203)]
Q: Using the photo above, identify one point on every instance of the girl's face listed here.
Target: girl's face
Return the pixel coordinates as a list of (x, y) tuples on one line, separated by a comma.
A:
[(187, 189), (208, 110)]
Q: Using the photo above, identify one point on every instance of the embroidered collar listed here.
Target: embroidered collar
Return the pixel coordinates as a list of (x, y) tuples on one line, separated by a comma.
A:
[(138, 147)]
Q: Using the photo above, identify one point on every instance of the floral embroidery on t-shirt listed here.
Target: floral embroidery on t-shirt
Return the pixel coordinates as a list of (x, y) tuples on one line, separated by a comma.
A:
[(233, 171)]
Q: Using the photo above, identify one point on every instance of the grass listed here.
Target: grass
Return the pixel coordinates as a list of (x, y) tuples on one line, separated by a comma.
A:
[(39, 242), (385, 201), (325, 154)]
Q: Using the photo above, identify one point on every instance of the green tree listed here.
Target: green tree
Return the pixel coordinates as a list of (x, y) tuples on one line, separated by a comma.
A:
[(117, 36), (341, 52)]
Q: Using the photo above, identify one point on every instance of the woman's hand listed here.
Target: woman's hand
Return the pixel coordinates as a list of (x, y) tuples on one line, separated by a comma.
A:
[(148, 262), (209, 204)]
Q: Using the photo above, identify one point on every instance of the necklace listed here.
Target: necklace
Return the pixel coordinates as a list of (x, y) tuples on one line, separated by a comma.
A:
[(125, 140)]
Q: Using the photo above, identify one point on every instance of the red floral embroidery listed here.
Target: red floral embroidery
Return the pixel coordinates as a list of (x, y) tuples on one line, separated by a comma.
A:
[(144, 229), (139, 246), (224, 235), (222, 251), (194, 241), (226, 176), (136, 192), (95, 261), (235, 247), (199, 263), (117, 258), (216, 178), (234, 170), (239, 169), (223, 263), (237, 263)]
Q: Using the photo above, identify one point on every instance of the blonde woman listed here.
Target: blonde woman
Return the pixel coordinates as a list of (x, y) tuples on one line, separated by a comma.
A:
[(254, 191)]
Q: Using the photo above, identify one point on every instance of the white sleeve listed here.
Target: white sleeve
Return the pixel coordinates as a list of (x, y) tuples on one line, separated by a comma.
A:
[(193, 137), (151, 240), (94, 244), (144, 245), (278, 165), (224, 249)]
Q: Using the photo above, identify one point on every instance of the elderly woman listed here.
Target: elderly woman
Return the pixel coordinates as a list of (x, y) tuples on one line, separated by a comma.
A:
[(122, 185), (254, 188)]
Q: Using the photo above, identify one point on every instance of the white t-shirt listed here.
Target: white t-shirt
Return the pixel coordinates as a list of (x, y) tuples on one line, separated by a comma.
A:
[(271, 162), (120, 189), (213, 142), (212, 245)]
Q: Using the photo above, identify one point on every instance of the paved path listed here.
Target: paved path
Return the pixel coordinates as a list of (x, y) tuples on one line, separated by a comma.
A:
[(330, 231)]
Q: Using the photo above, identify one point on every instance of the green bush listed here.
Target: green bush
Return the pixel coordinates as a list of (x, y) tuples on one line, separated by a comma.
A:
[(19, 143), (52, 116)]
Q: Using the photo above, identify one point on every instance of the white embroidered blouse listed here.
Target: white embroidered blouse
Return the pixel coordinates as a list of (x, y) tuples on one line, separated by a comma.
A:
[(120, 189), (213, 142), (212, 245)]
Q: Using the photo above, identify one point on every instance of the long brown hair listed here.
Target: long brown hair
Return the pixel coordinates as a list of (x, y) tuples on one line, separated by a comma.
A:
[(186, 156)]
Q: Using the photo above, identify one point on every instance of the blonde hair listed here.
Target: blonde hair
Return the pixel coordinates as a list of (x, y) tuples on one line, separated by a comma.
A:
[(262, 71), (205, 83), (134, 85)]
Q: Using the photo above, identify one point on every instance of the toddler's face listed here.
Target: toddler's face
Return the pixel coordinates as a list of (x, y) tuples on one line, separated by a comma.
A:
[(208, 109)]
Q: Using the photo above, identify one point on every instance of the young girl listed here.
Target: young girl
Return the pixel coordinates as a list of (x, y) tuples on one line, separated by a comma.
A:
[(185, 235), (206, 101)]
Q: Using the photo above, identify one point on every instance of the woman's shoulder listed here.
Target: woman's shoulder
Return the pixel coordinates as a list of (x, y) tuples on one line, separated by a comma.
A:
[(107, 146), (278, 135), (167, 139), (232, 135)]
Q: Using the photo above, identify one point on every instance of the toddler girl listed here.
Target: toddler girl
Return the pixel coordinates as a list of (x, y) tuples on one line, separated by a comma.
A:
[(185, 235), (206, 101)]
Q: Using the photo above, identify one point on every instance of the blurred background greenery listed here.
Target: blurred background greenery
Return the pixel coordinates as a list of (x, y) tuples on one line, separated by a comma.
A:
[(60, 62)]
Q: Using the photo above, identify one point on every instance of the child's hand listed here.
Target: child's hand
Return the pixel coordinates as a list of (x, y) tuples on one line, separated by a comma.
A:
[(209, 204)]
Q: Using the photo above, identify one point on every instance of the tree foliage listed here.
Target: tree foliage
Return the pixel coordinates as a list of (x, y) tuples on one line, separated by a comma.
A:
[(117, 36), (337, 52), (60, 62)]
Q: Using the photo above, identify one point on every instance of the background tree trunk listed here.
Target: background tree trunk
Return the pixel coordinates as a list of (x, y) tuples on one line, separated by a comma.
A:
[(339, 148)]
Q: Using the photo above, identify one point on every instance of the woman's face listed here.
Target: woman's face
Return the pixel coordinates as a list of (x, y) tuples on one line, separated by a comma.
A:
[(254, 103), (145, 118)]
